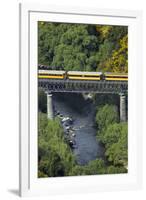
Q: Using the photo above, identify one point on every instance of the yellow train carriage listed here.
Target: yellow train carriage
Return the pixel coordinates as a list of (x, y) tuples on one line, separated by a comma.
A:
[(51, 74), (109, 76), (79, 75)]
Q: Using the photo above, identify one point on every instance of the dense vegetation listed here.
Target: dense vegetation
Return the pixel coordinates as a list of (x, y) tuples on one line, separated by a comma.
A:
[(113, 135), (83, 47), (56, 157)]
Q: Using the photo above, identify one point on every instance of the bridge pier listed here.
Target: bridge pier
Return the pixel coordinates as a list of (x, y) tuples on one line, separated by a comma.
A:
[(50, 111), (122, 107)]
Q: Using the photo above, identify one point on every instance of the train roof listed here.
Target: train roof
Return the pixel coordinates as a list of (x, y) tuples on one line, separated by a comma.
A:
[(51, 71), (85, 72)]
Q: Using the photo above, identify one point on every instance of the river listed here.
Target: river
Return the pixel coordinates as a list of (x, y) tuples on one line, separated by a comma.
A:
[(82, 111)]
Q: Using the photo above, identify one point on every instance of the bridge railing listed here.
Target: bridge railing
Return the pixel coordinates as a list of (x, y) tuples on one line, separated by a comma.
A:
[(83, 86)]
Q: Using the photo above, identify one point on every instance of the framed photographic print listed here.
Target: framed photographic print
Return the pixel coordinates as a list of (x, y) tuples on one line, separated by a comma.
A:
[(80, 100)]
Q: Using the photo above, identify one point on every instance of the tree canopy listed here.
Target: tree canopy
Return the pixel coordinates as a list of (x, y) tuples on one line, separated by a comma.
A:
[(114, 136), (55, 157), (106, 115), (83, 47)]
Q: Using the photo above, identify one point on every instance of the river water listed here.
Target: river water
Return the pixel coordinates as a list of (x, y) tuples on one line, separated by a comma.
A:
[(82, 111)]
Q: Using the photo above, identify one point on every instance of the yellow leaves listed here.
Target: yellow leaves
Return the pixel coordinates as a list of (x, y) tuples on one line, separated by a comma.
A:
[(103, 30), (119, 59), (124, 41), (124, 44)]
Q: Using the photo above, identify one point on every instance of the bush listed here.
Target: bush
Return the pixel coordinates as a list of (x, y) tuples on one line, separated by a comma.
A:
[(105, 116), (55, 157), (116, 143)]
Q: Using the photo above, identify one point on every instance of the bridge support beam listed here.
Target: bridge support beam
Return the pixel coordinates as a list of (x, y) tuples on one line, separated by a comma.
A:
[(50, 111), (122, 107)]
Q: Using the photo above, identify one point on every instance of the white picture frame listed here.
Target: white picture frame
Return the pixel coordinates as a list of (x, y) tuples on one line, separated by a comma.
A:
[(29, 184)]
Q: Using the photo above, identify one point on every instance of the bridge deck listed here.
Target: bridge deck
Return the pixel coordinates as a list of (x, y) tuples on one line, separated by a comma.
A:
[(79, 86)]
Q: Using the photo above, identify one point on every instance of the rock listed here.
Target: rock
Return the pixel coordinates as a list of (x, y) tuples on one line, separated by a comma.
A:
[(73, 134), (67, 127), (65, 119)]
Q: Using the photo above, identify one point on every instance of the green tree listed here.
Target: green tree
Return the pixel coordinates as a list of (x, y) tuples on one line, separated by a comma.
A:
[(114, 136), (115, 170), (71, 46), (93, 167), (105, 116), (77, 170), (116, 143), (55, 157)]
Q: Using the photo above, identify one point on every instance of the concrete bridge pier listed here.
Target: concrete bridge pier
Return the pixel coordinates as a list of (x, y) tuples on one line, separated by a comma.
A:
[(50, 110), (122, 107)]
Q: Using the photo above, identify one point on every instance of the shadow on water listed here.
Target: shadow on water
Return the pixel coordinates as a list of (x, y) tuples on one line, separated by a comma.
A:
[(83, 113), (73, 101)]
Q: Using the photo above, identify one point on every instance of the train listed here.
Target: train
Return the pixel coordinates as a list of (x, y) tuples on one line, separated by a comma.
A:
[(80, 75)]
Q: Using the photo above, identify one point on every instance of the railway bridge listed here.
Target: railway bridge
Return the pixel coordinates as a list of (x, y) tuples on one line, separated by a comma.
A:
[(51, 86)]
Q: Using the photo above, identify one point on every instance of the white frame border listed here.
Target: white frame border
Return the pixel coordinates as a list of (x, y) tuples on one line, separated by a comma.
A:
[(27, 183)]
